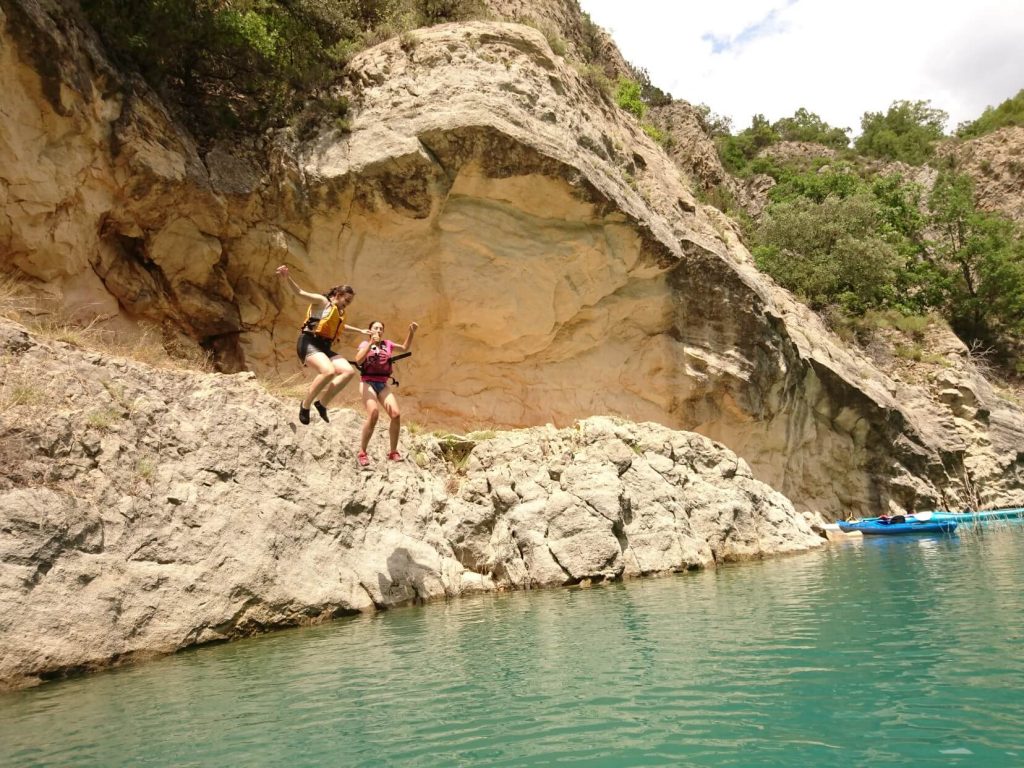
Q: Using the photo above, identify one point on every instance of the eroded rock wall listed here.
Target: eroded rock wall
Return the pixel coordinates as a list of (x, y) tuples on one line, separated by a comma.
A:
[(562, 21), (557, 261), (996, 163), (106, 202)]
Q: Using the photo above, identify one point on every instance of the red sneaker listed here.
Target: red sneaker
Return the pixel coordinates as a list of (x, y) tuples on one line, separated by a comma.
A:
[(363, 459), (394, 456)]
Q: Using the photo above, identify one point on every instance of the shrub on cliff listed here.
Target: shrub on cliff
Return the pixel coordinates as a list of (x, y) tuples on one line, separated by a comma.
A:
[(807, 126), (628, 96), (906, 132), (225, 67), (651, 94), (739, 151), (830, 252), (593, 40), (246, 65), (822, 180), (714, 125), (979, 258), (1010, 112)]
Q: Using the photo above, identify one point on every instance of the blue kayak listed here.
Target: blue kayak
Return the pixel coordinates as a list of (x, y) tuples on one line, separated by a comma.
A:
[(986, 515), (876, 527)]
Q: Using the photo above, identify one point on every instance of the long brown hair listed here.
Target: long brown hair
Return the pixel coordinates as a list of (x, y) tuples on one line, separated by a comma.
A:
[(338, 290)]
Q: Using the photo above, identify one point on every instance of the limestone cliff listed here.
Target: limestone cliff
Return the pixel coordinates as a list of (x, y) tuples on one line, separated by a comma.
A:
[(693, 152), (555, 257), (146, 510), (996, 164)]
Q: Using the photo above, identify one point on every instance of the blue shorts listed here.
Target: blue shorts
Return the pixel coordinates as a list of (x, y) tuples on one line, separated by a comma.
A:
[(376, 386)]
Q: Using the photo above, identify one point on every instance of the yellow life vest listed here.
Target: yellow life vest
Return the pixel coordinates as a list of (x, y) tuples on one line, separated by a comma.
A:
[(327, 321)]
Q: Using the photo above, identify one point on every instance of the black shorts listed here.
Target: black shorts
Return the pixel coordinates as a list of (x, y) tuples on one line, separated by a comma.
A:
[(309, 343)]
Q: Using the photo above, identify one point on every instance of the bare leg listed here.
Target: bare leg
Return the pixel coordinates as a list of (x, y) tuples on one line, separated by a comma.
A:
[(325, 372), (393, 429), (343, 374), (369, 398), (390, 403)]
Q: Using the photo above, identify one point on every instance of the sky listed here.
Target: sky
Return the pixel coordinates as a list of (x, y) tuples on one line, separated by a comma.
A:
[(838, 60)]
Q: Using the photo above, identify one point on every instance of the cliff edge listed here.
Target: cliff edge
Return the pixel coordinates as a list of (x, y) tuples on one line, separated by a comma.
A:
[(146, 510)]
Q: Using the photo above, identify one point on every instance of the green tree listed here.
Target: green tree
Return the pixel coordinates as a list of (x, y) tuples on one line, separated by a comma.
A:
[(1010, 112), (223, 65), (853, 244), (244, 65), (807, 126), (760, 134), (907, 131), (839, 180), (737, 151), (829, 252), (900, 216), (980, 261)]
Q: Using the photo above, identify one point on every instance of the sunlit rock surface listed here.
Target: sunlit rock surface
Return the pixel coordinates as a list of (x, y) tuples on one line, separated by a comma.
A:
[(555, 257), (146, 510)]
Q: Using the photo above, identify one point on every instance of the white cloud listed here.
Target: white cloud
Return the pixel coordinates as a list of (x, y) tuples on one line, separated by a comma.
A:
[(837, 60)]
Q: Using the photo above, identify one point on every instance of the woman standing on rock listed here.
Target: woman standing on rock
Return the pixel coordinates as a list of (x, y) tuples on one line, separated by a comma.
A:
[(374, 360), (325, 320)]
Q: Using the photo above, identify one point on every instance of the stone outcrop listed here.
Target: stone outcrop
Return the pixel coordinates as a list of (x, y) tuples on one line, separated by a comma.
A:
[(563, 20), (90, 161), (557, 261), (693, 152), (145, 510), (995, 162), (690, 147)]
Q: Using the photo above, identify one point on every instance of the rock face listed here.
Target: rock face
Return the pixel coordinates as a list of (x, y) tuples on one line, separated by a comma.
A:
[(996, 163), (694, 153), (145, 510), (691, 148), (89, 164), (554, 256), (563, 20)]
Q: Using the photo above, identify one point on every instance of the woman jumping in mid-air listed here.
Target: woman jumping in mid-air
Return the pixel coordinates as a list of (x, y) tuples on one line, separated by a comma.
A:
[(325, 320), (374, 359)]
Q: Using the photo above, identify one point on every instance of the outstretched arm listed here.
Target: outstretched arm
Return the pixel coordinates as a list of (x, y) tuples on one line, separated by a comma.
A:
[(282, 271), (363, 331), (408, 339)]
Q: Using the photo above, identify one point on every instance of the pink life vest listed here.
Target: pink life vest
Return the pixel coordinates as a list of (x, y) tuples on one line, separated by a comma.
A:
[(376, 366)]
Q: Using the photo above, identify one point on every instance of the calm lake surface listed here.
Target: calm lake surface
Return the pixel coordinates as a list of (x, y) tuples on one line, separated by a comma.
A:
[(905, 651)]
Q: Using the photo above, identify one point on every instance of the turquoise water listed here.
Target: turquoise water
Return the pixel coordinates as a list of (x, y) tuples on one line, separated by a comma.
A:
[(886, 652)]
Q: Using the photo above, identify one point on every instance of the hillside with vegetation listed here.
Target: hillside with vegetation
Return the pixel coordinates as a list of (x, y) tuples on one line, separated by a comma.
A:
[(230, 69), (241, 68), (886, 230), (1008, 113)]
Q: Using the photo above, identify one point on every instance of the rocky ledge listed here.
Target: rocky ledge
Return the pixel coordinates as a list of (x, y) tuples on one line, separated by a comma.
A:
[(145, 510)]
